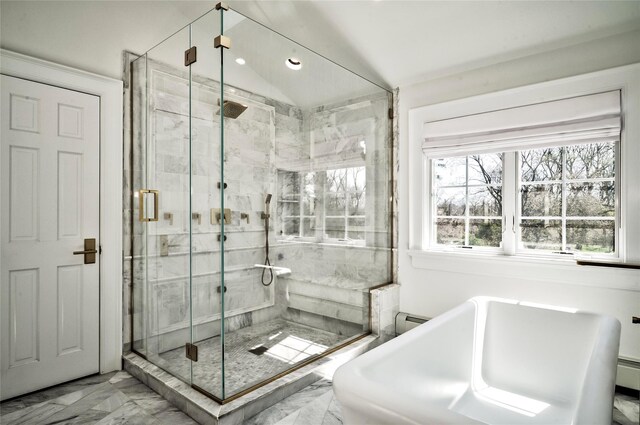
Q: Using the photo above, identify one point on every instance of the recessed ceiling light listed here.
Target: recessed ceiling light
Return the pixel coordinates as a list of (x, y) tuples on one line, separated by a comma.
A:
[(240, 61), (294, 63)]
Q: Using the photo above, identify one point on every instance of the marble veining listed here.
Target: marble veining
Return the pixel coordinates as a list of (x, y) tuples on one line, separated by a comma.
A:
[(119, 398), (109, 399)]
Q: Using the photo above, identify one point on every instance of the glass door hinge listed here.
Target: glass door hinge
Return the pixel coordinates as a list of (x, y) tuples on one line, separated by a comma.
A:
[(222, 41), (390, 112), (190, 56), (191, 351)]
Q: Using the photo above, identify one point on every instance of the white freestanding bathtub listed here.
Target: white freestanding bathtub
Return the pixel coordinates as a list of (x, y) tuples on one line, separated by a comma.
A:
[(490, 361)]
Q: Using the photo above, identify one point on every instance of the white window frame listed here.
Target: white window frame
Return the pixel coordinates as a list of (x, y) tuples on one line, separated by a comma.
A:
[(625, 78), (511, 231), (430, 223), (322, 217)]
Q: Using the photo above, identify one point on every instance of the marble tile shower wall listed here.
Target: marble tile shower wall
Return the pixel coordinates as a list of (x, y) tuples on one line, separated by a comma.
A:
[(158, 251), (328, 286)]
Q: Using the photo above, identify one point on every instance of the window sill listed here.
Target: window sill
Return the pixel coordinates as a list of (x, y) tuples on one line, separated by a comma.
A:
[(525, 268)]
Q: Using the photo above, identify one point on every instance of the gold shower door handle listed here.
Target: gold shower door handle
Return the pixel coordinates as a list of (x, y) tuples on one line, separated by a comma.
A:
[(142, 193), (89, 251)]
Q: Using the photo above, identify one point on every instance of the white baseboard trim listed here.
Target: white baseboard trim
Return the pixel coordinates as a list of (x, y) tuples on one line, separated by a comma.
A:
[(628, 374)]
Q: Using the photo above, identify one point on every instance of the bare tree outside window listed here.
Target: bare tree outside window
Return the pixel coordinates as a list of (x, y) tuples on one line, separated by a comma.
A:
[(339, 194), (567, 198), (469, 200), (344, 196)]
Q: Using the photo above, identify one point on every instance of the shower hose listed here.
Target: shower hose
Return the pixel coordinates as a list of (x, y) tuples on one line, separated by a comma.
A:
[(267, 262)]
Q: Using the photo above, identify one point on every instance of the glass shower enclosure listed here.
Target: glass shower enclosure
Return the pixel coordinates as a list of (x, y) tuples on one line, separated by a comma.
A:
[(261, 204)]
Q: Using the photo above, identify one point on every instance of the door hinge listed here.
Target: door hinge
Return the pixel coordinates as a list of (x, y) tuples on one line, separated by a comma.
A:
[(191, 351), (190, 56), (390, 113), (222, 41)]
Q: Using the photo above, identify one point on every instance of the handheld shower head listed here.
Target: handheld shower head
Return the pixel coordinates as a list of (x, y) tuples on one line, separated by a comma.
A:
[(268, 200)]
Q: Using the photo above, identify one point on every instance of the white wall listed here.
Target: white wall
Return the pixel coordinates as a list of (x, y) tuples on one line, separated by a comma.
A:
[(91, 35), (429, 292)]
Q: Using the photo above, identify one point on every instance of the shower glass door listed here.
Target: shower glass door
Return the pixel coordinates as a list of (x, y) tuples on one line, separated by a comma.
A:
[(207, 188), (164, 202)]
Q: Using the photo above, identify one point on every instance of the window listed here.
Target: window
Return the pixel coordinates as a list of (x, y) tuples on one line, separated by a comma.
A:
[(297, 203), (564, 196), (344, 196), (540, 178), (468, 193), (568, 198), (323, 205)]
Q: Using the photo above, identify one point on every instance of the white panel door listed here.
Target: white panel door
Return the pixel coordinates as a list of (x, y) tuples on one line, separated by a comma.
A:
[(49, 168)]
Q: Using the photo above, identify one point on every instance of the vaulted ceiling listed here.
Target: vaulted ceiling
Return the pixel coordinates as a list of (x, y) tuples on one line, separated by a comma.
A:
[(392, 43)]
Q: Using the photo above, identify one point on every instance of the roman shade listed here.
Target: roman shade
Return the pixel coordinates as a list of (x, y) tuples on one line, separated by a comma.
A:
[(584, 119)]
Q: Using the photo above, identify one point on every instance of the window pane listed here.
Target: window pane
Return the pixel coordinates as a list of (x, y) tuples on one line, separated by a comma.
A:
[(309, 192), (335, 204), (290, 208), (485, 201), (356, 228), (308, 227), (596, 160), (451, 201), (334, 228), (337, 180), (485, 169), (289, 183), (591, 199), (291, 226), (541, 234), (356, 203), (541, 200), (541, 165), (486, 232), (356, 178), (308, 205), (450, 231), (450, 171), (590, 235)]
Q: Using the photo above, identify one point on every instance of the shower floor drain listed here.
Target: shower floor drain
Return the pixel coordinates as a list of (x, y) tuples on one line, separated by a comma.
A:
[(258, 351)]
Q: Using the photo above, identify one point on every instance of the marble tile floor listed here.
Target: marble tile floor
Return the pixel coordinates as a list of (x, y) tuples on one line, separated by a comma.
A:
[(109, 399), (626, 410), (285, 343), (118, 398)]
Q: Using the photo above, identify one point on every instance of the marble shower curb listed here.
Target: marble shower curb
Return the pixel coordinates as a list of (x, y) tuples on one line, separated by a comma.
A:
[(206, 411)]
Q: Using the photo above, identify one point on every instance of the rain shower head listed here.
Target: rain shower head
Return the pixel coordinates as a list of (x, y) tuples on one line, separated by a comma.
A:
[(232, 109)]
